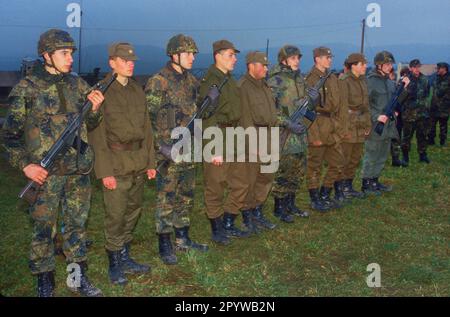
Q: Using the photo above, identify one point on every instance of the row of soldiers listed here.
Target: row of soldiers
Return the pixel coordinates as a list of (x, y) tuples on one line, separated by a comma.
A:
[(128, 131)]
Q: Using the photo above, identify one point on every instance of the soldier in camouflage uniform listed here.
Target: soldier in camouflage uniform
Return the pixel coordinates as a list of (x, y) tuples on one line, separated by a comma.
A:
[(376, 148), (40, 107), (416, 113), (171, 95), (288, 86), (440, 104)]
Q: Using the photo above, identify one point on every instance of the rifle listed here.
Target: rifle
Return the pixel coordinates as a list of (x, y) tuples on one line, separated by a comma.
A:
[(391, 107), (303, 111), (67, 139), (210, 97)]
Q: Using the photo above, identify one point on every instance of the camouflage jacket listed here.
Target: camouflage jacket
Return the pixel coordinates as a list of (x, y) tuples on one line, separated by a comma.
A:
[(441, 96), (416, 105), (287, 87), (171, 99), (355, 103), (41, 105)]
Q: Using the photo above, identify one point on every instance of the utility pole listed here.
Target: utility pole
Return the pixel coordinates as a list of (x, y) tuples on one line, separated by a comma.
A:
[(267, 49), (79, 36), (362, 35)]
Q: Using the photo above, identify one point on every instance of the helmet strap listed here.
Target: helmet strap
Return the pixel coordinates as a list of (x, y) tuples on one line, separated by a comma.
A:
[(183, 70)]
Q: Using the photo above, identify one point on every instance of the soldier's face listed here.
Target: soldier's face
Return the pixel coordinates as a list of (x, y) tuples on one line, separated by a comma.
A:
[(442, 71), (386, 68), (122, 67), (226, 59), (324, 61), (257, 70), (62, 59), (186, 59), (360, 68), (415, 71), (293, 62)]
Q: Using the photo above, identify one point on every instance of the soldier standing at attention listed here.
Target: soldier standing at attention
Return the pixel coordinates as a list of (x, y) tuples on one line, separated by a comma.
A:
[(40, 107), (356, 102), (376, 149), (440, 104), (124, 158), (171, 95)]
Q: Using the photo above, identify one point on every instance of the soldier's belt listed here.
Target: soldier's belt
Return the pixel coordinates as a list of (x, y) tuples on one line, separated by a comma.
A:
[(357, 112), (324, 114), (130, 146)]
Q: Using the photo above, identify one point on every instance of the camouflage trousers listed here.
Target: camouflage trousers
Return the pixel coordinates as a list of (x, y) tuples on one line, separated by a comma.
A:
[(317, 155), (259, 186), (290, 175), (375, 155), (175, 197), (443, 122), (123, 207), (73, 192), (420, 126)]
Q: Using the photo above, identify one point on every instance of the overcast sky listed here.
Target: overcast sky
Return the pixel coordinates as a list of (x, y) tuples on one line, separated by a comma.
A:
[(247, 23)]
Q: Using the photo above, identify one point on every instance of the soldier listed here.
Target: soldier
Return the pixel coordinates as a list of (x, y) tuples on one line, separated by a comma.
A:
[(356, 100), (220, 175), (376, 149), (416, 113), (325, 136), (124, 157), (288, 87), (258, 111), (171, 95), (40, 107), (440, 104)]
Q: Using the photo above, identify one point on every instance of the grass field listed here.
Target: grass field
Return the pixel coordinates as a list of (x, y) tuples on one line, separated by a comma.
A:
[(406, 232)]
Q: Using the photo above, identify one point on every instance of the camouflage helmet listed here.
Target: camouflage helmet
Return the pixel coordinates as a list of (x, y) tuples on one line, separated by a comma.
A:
[(442, 65), (53, 40), (181, 43), (383, 57), (288, 51)]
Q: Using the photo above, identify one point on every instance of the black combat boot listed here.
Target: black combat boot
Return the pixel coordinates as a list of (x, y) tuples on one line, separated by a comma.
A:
[(405, 158), (339, 193), (325, 193), (85, 287), (396, 162), (249, 223), (368, 186), (424, 158), (130, 266), (381, 187), (316, 202), (260, 220), (230, 229), (218, 234), (443, 142), (184, 243), (166, 252), (293, 209), (349, 192), (46, 284), (116, 275), (431, 141), (280, 210)]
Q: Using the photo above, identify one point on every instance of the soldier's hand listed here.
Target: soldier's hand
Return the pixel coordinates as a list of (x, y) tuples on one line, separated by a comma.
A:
[(406, 81), (109, 182), (295, 127), (96, 97), (217, 160), (151, 173), (317, 143), (314, 94), (382, 118), (166, 151), (36, 173), (366, 132)]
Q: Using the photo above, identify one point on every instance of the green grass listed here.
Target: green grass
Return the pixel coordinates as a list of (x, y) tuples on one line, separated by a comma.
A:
[(406, 232)]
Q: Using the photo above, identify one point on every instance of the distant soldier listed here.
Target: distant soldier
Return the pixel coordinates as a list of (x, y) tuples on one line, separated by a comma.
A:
[(124, 159), (171, 95), (40, 106), (416, 113), (258, 111), (356, 101), (376, 149), (440, 104), (324, 136), (288, 87)]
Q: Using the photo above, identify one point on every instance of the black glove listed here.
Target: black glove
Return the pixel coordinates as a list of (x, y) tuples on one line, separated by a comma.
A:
[(166, 150), (295, 127), (314, 94), (213, 93)]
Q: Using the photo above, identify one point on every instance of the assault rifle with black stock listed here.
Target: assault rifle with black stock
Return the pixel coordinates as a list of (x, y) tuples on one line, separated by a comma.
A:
[(390, 109), (302, 110), (68, 138), (210, 98)]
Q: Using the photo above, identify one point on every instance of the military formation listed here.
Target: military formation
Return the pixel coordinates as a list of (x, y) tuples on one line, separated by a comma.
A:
[(127, 141)]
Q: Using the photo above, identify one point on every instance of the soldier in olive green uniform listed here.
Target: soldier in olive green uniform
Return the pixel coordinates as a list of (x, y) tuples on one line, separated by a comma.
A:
[(258, 111), (356, 108), (377, 147), (123, 144), (440, 104), (40, 107), (288, 87), (220, 175), (171, 95), (324, 135), (416, 113)]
